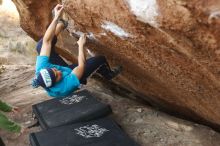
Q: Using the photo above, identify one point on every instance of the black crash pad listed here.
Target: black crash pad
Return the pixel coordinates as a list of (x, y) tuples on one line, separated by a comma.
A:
[(101, 132), (79, 107)]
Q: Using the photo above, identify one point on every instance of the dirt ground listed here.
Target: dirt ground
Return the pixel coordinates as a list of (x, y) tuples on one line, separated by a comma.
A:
[(15, 44), (144, 124), (147, 126)]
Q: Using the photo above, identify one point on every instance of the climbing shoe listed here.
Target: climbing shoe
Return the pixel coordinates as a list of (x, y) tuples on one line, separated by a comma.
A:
[(115, 71), (65, 23)]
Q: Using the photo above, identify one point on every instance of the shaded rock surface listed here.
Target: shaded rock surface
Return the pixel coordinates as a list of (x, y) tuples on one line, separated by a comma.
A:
[(145, 125), (169, 49)]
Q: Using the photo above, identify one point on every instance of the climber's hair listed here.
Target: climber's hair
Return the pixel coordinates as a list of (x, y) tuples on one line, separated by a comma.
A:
[(34, 83)]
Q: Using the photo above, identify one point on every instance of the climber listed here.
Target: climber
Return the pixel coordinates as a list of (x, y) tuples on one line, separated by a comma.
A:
[(7, 124), (57, 77)]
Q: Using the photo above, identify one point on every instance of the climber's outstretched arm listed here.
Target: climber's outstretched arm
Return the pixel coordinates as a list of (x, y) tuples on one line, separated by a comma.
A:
[(50, 32), (79, 70)]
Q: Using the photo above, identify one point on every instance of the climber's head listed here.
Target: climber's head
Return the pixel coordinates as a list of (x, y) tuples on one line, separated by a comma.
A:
[(58, 74), (47, 78)]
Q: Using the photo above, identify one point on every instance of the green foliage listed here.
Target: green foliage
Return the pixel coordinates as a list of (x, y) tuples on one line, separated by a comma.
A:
[(25, 47)]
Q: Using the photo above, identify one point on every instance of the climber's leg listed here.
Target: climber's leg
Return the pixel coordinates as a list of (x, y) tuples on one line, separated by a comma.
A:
[(62, 24), (59, 28), (54, 57), (97, 64)]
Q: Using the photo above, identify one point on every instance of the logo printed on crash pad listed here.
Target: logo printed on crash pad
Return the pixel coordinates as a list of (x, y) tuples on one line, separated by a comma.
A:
[(72, 99), (91, 131)]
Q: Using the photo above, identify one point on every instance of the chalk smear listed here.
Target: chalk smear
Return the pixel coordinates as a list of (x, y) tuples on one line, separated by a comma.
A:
[(145, 11), (92, 54), (89, 35), (115, 29)]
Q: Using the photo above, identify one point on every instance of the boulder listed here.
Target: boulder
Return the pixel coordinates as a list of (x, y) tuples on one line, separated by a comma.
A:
[(169, 49)]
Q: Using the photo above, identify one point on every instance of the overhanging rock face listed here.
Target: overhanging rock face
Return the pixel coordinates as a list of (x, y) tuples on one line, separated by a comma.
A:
[(170, 49)]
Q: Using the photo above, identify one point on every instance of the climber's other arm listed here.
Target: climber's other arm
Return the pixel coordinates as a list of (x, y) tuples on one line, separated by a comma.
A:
[(79, 70)]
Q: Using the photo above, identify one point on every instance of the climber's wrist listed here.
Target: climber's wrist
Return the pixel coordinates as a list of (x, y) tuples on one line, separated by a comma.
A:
[(81, 45), (56, 18)]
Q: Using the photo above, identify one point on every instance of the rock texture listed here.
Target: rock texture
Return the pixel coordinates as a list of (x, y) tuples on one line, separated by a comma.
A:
[(169, 49)]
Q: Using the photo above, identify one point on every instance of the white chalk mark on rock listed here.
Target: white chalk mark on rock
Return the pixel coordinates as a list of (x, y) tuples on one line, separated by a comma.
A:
[(215, 15), (103, 34), (92, 54), (78, 33), (145, 11), (91, 36), (115, 29)]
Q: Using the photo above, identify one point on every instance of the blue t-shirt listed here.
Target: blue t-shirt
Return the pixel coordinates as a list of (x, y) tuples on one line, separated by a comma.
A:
[(68, 83)]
